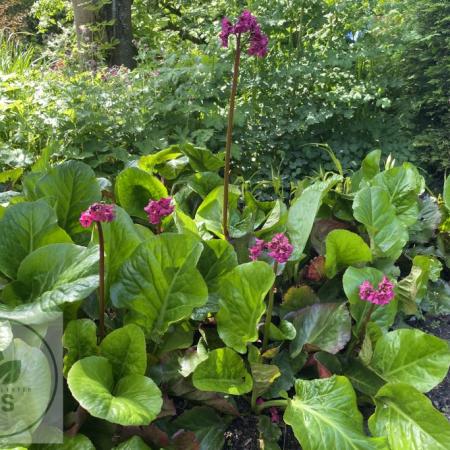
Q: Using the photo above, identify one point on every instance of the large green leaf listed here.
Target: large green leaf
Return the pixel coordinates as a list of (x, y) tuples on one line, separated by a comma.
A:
[(24, 228), (413, 288), (80, 341), (324, 326), (324, 415), (132, 400), (404, 185), (160, 284), (209, 213), (135, 187), (242, 294), (50, 277), (264, 376), (202, 159), (223, 371), (134, 443), (289, 367), (413, 357), (275, 221), (121, 239), (218, 259), (343, 249), (208, 426), (125, 349), (408, 420), (204, 182), (72, 187), (384, 316), (363, 378), (372, 207), (77, 442), (303, 211)]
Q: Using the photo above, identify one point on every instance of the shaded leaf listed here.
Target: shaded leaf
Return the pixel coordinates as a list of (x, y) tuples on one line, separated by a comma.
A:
[(321, 327), (223, 371)]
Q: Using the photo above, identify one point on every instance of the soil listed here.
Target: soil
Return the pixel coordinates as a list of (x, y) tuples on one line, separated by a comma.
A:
[(243, 434)]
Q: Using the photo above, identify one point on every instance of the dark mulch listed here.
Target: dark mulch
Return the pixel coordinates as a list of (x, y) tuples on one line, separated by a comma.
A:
[(440, 327), (242, 434)]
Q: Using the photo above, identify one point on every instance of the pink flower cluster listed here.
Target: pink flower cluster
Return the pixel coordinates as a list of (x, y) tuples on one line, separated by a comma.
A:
[(246, 23), (280, 249), (381, 296), (97, 212), (158, 209)]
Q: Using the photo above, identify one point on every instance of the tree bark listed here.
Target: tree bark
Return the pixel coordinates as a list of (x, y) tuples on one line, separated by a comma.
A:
[(83, 18), (122, 30)]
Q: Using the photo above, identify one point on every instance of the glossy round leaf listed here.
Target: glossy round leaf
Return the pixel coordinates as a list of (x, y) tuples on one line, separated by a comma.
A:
[(134, 189), (72, 187), (343, 249), (412, 357), (408, 419), (24, 228), (324, 415), (132, 400)]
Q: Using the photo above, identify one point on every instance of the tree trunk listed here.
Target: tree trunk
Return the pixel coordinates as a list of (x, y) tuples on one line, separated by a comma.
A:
[(83, 18), (122, 31)]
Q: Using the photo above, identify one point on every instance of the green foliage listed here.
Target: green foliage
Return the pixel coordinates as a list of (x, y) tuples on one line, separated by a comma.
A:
[(24, 228), (321, 327), (130, 400), (333, 75), (416, 423), (159, 284), (412, 357), (223, 371), (324, 413), (241, 306), (343, 249)]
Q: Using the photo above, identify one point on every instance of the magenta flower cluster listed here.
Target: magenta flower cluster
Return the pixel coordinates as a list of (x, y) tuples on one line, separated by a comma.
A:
[(246, 23), (158, 209), (97, 212), (280, 249), (381, 296)]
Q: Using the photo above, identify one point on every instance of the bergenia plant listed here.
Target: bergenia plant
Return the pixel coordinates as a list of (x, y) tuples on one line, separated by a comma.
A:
[(381, 296), (98, 213), (257, 46), (158, 209), (280, 250)]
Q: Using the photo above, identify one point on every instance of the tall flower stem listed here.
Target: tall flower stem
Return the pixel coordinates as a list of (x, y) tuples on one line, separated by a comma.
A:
[(226, 176), (101, 288), (269, 312), (361, 331)]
